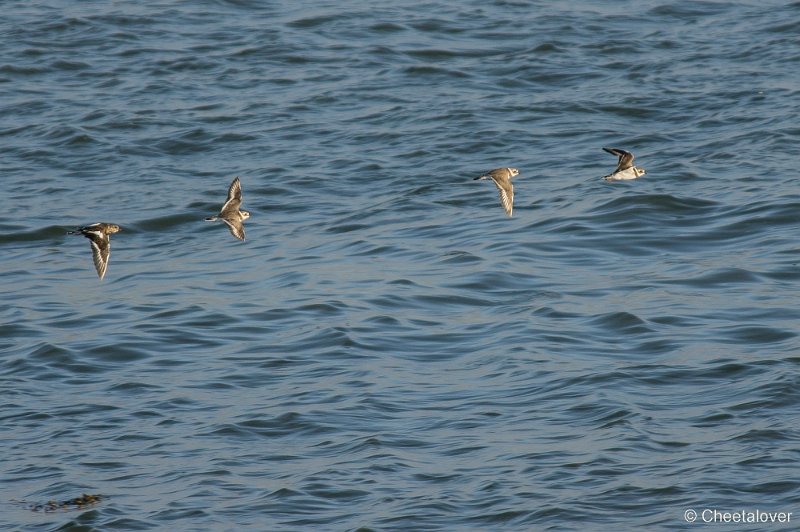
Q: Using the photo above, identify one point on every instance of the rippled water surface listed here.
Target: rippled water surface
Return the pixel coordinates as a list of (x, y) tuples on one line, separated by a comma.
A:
[(387, 350)]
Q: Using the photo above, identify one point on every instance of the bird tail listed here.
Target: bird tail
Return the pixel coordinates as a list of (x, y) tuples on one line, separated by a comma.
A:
[(211, 219), (484, 176)]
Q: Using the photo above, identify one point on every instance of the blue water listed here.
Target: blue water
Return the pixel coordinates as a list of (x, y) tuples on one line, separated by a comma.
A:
[(387, 350)]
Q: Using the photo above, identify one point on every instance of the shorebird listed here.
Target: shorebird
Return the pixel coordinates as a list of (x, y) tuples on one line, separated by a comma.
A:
[(625, 169), (100, 236), (502, 180), (230, 213)]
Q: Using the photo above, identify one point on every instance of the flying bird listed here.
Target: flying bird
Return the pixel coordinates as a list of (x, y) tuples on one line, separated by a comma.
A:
[(230, 213), (625, 169), (99, 235), (502, 180)]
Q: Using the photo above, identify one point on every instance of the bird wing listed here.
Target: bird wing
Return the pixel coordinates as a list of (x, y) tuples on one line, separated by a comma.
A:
[(101, 251), (234, 198), (506, 190), (625, 159), (236, 228)]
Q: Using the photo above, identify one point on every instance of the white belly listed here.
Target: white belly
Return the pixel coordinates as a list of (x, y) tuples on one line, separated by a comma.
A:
[(628, 173)]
